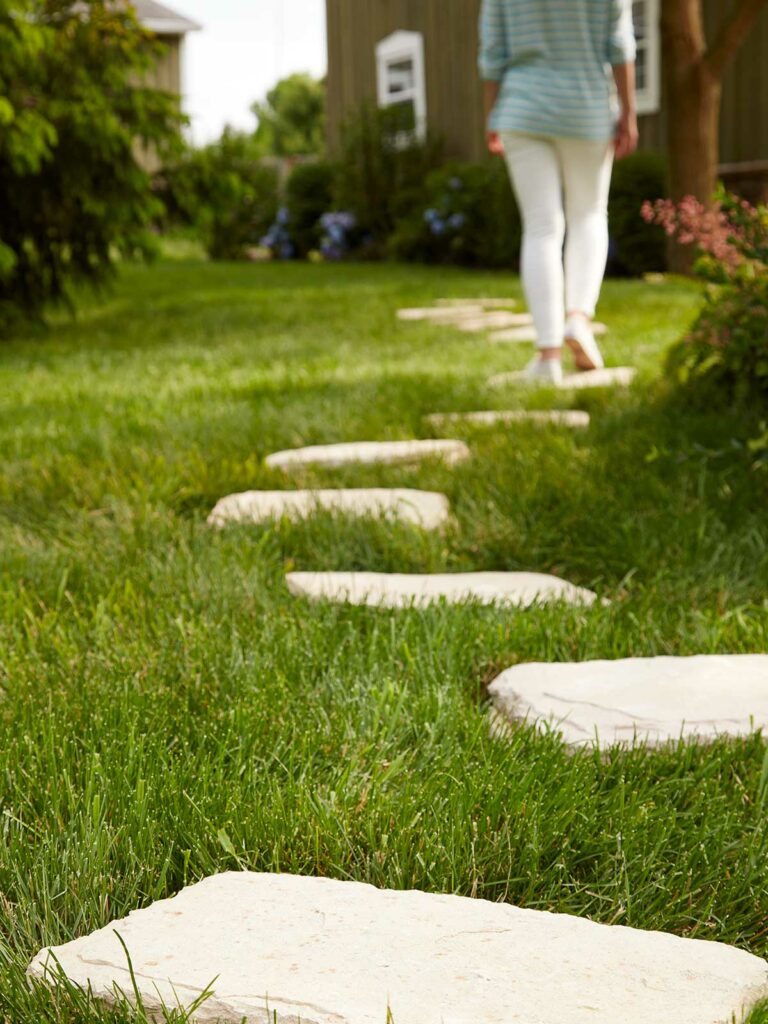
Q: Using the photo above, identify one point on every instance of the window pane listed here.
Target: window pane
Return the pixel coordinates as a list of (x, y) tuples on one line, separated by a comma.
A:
[(639, 13), (401, 77), (403, 116)]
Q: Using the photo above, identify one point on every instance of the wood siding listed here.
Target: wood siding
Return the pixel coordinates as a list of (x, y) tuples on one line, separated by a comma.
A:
[(454, 97)]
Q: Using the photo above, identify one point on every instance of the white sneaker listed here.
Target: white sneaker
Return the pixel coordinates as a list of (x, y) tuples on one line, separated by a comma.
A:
[(581, 341), (543, 372)]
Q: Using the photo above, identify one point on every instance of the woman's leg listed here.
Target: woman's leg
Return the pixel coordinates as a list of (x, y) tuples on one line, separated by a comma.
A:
[(535, 172), (587, 168)]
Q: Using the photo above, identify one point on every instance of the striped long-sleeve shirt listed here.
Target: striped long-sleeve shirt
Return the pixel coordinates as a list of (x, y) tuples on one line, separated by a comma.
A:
[(553, 61)]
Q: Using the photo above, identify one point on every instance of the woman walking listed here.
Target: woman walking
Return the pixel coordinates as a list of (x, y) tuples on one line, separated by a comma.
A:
[(560, 99)]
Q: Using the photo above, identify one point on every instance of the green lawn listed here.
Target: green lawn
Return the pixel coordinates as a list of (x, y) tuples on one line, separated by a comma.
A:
[(167, 710)]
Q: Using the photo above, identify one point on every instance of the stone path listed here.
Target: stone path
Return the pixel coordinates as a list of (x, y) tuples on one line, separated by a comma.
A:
[(420, 508), (611, 376), (398, 590), (370, 453), (656, 700), (490, 417), (332, 952)]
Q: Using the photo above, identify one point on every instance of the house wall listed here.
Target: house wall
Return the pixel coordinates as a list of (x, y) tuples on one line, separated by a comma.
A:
[(454, 95), (166, 74)]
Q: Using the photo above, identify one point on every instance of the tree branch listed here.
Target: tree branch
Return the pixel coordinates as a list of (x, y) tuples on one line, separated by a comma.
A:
[(732, 34)]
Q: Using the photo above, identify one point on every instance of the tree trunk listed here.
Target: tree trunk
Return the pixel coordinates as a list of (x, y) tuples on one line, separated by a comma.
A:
[(693, 85), (694, 95)]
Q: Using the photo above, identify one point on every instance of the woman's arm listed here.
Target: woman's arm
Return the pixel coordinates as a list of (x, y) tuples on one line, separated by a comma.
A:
[(626, 130), (622, 51), (493, 61)]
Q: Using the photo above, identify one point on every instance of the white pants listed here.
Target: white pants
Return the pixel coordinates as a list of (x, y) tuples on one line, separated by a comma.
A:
[(562, 190)]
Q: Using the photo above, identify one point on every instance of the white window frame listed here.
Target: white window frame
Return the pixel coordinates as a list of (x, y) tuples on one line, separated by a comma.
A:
[(649, 97), (398, 47)]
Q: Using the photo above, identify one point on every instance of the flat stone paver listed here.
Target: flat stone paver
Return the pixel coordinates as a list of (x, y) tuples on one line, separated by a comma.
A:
[(656, 700), (399, 590), (520, 334), (494, 320), (322, 951), (611, 376), (486, 303), (370, 453), (490, 417), (441, 313), (421, 508)]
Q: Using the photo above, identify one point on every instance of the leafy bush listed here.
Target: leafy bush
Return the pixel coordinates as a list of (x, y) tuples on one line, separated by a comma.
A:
[(468, 216), (638, 247), (381, 173), (225, 192), (308, 195), (725, 354), (72, 115)]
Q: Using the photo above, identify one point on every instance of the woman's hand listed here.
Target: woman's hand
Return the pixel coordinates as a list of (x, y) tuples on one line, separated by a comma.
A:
[(495, 145), (626, 135)]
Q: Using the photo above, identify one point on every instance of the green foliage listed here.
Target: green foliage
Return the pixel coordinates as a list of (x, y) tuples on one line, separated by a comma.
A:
[(72, 119), (308, 195), (292, 120), (225, 192), (641, 247), (724, 357), (382, 173), (469, 218)]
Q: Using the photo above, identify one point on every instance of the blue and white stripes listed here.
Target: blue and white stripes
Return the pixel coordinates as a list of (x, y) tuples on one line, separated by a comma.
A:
[(552, 59)]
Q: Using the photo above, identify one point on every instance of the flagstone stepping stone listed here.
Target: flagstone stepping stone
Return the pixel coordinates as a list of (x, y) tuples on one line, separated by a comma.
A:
[(369, 453), (421, 508), (396, 590), (656, 700), (610, 376), (490, 417), (485, 303), (441, 313), (323, 951), (494, 319), (521, 334)]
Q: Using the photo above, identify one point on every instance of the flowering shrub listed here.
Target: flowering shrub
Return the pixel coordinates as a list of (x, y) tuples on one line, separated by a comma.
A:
[(278, 238), (727, 347), (468, 217), (338, 228)]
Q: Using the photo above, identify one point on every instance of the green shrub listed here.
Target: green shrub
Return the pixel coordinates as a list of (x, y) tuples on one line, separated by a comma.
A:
[(724, 357), (225, 192), (308, 195), (468, 216), (725, 354), (382, 173), (637, 247), (72, 191)]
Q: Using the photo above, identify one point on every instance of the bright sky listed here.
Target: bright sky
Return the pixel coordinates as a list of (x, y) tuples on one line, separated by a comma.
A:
[(245, 46)]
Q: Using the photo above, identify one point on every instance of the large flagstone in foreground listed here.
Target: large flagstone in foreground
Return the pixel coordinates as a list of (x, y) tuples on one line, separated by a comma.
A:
[(398, 590), (655, 700), (490, 417), (610, 376), (421, 508), (321, 951), (369, 453)]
